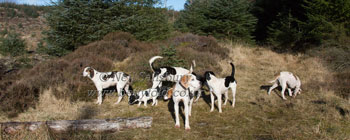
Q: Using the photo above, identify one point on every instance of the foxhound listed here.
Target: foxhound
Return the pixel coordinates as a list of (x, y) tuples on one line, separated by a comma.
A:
[(172, 74), (144, 96), (103, 80), (286, 80), (219, 86), (182, 91)]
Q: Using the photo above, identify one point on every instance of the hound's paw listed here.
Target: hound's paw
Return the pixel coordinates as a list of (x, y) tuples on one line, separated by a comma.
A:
[(187, 128), (284, 98), (212, 110), (177, 126)]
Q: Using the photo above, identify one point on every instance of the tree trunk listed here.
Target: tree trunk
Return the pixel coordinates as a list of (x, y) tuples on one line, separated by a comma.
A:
[(93, 125)]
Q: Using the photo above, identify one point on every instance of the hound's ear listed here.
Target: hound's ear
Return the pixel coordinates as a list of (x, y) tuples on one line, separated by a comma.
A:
[(184, 81), (91, 72), (207, 75)]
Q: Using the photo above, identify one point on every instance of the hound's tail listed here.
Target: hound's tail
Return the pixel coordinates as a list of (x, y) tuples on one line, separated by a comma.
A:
[(272, 81), (277, 75), (192, 66), (193, 63), (152, 60), (233, 70)]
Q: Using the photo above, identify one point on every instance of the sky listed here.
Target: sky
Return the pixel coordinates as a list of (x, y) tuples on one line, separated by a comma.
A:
[(34, 2), (173, 4), (176, 4)]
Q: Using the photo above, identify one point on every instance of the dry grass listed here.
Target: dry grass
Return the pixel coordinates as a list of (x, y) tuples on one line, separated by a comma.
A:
[(315, 114)]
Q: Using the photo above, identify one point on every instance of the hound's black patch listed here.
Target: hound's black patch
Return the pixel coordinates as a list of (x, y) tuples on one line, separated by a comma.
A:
[(146, 93), (169, 70), (156, 72), (191, 94), (125, 75), (162, 91), (199, 78), (228, 80), (133, 98), (207, 75), (113, 73), (104, 78), (158, 89), (108, 76)]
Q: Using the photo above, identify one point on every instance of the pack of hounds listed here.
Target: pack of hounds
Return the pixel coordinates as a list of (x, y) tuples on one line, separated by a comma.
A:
[(187, 85)]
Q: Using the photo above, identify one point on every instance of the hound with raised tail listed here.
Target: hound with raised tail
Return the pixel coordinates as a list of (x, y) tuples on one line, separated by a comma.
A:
[(103, 80), (182, 91), (219, 86), (286, 80), (172, 74)]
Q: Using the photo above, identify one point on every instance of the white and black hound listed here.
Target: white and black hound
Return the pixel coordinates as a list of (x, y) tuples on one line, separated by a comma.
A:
[(144, 96), (182, 91), (286, 80), (103, 80), (172, 74), (219, 86)]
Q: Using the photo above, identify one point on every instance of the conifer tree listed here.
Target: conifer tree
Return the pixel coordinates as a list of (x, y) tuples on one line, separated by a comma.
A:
[(221, 18), (78, 22)]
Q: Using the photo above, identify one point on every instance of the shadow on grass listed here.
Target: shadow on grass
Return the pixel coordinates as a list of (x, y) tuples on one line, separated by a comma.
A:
[(265, 87), (207, 100), (87, 112), (172, 110), (277, 90)]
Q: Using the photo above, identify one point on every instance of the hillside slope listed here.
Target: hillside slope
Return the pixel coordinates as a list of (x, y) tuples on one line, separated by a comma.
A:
[(26, 20), (317, 113)]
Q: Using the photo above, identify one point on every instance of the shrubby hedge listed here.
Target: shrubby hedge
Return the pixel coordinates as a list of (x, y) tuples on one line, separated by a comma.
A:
[(12, 44)]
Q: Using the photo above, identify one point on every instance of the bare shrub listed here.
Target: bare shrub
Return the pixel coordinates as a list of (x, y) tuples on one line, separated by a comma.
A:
[(204, 60), (341, 84), (200, 43)]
